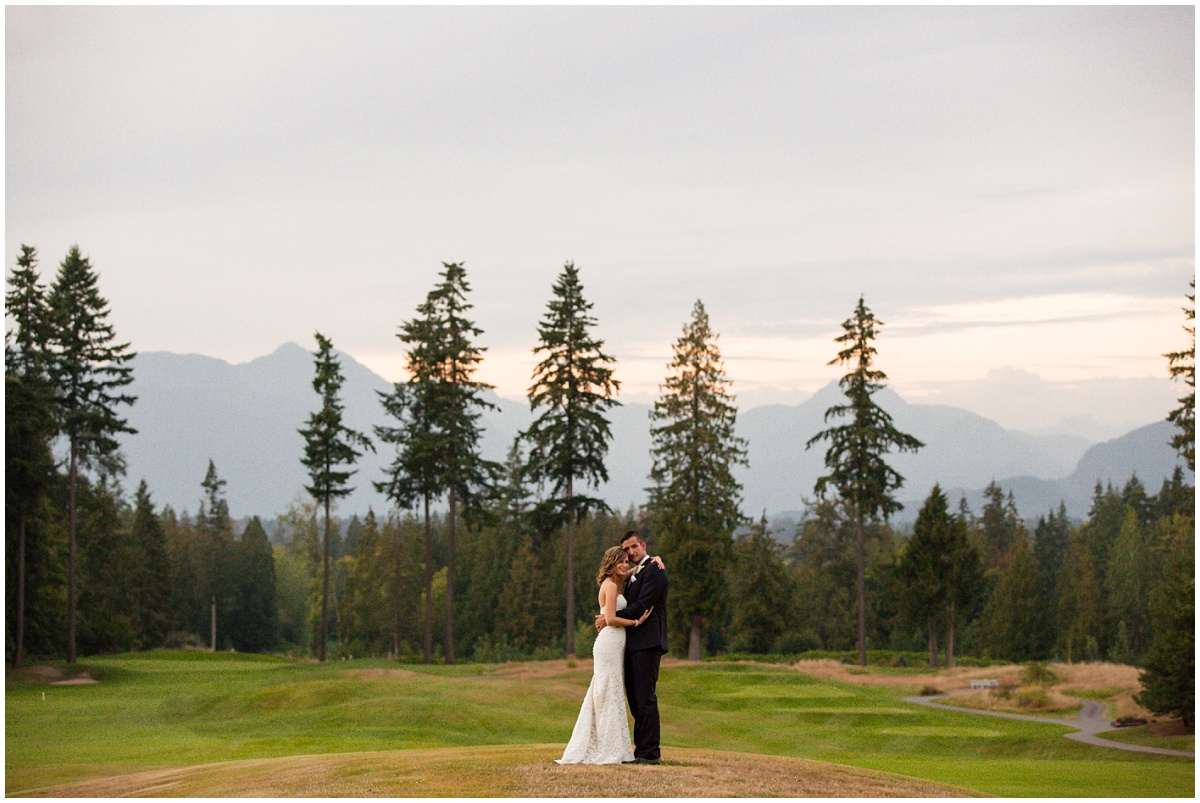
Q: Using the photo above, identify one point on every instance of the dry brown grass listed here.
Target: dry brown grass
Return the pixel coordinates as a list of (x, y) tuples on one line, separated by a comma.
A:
[(1095, 677), (1051, 704), (507, 771), (942, 679)]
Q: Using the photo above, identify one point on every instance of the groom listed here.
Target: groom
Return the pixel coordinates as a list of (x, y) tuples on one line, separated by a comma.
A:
[(644, 644)]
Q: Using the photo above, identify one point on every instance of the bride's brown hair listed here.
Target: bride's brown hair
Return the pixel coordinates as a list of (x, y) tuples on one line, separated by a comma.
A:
[(612, 556)]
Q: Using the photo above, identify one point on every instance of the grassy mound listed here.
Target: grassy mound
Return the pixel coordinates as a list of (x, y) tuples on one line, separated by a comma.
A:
[(510, 771)]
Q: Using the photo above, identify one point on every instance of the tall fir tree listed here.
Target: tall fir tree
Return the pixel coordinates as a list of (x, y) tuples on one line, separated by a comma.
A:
[(1080, 612), (152, 591), (108, 568), (438, 444), (214, 539), (1013, 620), (924, 567), (29, 423), (1129, 582), (1169, 679), (330, 448), (573, 386), (999, 526), (90, 372), (415, 475), (855, 458), (256, 628), (1051, 539), (695, 498), (1183, 366)]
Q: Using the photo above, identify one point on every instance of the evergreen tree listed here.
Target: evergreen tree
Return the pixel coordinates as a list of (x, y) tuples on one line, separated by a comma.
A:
[(999, 526), (573, 385), (28, 423), (1013, 618), (855, 457), (439, 408), (924, 566), (152, 591), (329, 445), (963, 582), (696, 499), (518, 607), (1103, 524), (89, 371), (823, 554), (256, 628), (1183, 364), (1129, 581), (1175, 497), (214, 540), (400, 554), (1169, 682), (512, 493), (762, 591), (1080, 613), (108, 569), (415, 472), (1051, 540), (364, 616), (188, 609)]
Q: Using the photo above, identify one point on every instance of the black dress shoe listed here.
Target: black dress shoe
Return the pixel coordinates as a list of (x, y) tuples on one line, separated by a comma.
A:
[(647, 761)]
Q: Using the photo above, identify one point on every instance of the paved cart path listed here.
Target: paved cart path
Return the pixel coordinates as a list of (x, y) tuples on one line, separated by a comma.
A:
[(1091, 720)]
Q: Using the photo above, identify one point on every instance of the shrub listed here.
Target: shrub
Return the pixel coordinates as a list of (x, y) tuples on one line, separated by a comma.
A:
[(796, 643), (180, 640), (929, 691), (498, 652), (1033, 697), (1038, 674)]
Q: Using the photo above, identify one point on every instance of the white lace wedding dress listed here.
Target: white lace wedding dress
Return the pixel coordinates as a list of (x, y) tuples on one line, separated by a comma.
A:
[(601, 734)]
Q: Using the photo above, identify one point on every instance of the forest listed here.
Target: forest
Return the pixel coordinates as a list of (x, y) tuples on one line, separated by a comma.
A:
[(484, 561)]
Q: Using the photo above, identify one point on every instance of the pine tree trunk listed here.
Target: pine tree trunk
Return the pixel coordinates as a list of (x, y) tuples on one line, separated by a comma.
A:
[(428, 642), (933, 658), (570, 640), (860, 580), (448, 650), (694, 641), (324, 589), (20, 594), (74, 477), (950, 639)]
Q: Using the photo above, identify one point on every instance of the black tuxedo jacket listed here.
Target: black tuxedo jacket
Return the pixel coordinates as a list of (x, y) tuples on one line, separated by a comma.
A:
[(646, 589)]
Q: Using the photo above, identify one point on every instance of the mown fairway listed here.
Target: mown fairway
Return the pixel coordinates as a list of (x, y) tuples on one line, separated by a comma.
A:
[(169, 710)]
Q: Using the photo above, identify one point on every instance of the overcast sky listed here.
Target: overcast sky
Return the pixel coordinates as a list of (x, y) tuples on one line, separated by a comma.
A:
[(1009, 187)]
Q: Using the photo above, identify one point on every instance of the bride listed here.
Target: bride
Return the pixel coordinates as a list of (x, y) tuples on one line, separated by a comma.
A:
[(601, 734)]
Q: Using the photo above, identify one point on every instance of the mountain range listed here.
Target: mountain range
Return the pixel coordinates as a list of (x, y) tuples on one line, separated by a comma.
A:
[(246, 417)]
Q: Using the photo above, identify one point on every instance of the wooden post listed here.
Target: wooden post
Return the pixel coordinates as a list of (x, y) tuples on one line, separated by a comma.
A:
[(214, 623)]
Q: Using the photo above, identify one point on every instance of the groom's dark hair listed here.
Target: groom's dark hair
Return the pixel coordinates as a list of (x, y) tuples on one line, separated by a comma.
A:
[(632, 534)]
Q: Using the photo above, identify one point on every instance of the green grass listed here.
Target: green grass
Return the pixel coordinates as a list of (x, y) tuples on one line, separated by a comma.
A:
[(174, 709), (1140, 735)]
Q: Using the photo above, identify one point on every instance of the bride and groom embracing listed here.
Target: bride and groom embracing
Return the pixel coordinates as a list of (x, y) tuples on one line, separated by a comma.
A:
[(632, 640)]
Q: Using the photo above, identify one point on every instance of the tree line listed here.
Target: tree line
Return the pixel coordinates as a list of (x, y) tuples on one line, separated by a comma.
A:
[(503, 549)]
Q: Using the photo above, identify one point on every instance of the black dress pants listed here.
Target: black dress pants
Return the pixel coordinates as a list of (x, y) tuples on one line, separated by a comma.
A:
[(641, 684)]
